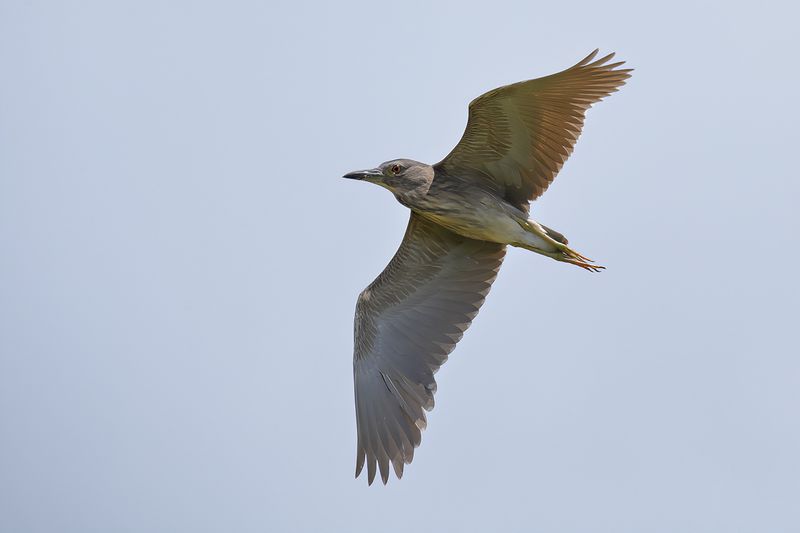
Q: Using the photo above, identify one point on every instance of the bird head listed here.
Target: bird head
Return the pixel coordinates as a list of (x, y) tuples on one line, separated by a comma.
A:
[(401, 176)]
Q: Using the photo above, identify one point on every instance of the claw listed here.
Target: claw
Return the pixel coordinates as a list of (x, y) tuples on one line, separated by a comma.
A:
[(568, 255), (584, 265)]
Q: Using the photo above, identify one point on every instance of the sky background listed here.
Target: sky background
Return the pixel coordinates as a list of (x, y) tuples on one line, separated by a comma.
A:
[(180, 260)]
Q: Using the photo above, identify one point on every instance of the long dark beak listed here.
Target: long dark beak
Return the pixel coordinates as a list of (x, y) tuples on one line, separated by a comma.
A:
[(371, 174)]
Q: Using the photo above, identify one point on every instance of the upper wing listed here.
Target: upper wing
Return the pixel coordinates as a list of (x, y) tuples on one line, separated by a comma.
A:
[(519, 136), (407, 321)]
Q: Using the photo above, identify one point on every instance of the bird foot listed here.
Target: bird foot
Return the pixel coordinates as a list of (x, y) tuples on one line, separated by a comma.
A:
[(586, 266), (568, 255)]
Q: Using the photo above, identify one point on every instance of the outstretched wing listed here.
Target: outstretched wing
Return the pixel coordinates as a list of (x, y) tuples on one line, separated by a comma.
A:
[(407, 322), (519, 136)]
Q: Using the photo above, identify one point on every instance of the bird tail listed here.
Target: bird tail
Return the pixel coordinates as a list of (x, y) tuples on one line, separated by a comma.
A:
[(553, 234)]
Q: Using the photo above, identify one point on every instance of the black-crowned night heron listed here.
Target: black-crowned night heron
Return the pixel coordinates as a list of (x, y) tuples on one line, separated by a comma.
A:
[(464, 211)]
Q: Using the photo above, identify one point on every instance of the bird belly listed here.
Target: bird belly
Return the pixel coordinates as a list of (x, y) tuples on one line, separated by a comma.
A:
[(485, 224), (481, 215)]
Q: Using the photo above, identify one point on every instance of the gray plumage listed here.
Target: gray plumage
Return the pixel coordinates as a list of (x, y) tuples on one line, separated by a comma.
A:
[(465, 210)]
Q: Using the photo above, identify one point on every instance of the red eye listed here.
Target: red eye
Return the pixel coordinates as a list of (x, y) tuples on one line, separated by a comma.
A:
[(395, 169)]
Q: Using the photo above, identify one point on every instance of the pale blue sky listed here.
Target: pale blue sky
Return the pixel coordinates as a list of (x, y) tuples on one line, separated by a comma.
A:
[(179, 263)]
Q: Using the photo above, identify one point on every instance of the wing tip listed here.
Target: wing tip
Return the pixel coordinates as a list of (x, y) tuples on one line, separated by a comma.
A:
[(380, 464), (602, 63), (398, 464), (398, 467), (587, 59)]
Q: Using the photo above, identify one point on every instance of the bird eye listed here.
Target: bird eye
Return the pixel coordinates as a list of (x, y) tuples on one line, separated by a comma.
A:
[(395, 169)]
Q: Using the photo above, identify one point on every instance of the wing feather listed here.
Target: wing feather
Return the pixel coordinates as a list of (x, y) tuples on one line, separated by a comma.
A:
[(407, 322), (519, 136)]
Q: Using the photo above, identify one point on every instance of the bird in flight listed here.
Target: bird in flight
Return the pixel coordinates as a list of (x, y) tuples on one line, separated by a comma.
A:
[(465, 210)]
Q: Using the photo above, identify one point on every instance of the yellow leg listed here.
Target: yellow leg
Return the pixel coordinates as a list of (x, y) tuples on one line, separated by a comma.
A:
[(557, 250)]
